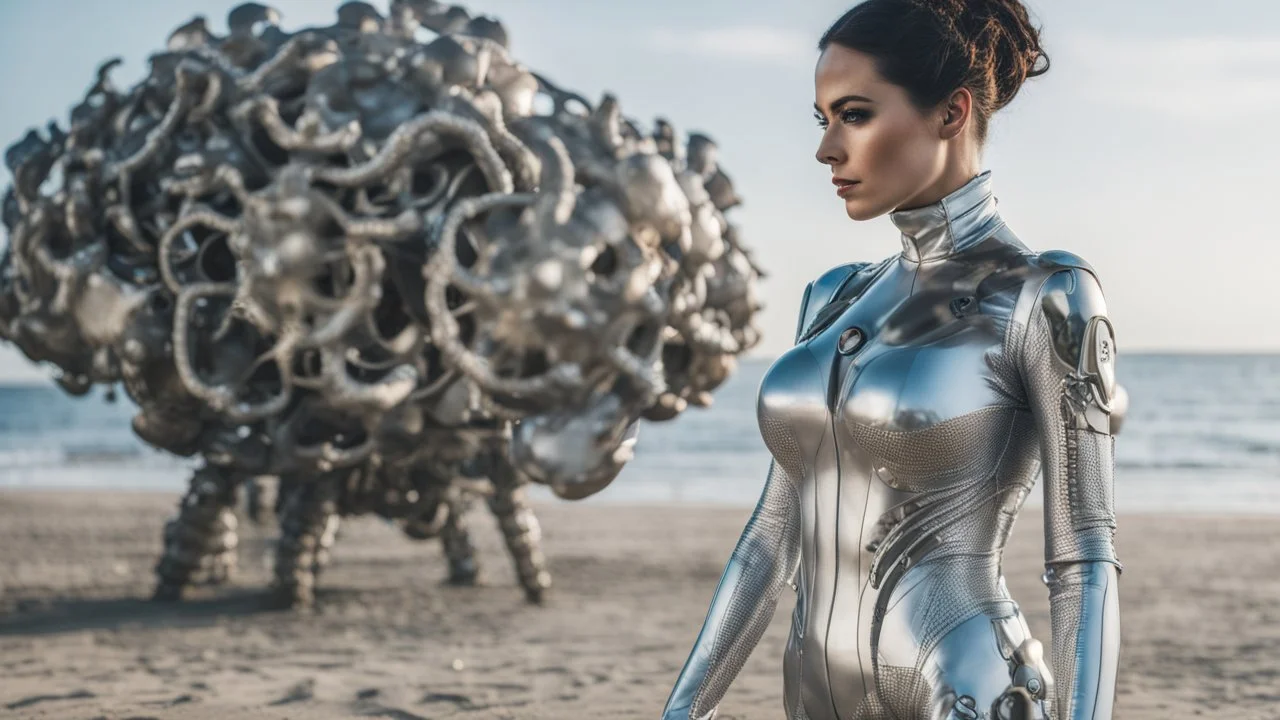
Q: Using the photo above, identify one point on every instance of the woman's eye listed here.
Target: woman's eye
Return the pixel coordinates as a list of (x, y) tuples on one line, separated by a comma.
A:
[(854, 116), (851, 116)]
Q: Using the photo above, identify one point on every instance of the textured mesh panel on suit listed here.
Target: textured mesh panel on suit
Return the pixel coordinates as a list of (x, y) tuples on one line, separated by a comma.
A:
[(1044, 379), (945, 521), (798, 712), (786, 449), (1005, 369), (900, 693), (925, 459), (1066, 603), (958, 588), (1092, 487), (1022, 456), (767, 551), (1042, 372), (971, 518)]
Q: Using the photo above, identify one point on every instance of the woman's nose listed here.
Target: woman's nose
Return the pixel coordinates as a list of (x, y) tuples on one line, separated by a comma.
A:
[(829, 152)]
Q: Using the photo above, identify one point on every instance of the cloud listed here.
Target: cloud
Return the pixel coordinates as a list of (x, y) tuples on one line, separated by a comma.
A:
[(1203, 79), (750, 43)]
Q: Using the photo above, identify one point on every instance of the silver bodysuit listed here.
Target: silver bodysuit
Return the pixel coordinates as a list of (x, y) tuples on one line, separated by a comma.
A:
[(907, 426)]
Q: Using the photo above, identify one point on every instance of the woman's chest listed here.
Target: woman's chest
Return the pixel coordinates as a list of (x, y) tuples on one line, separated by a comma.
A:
[(915, 366)]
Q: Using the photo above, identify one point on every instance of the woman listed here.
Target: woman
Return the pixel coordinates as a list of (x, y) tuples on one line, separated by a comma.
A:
[(908, 423)]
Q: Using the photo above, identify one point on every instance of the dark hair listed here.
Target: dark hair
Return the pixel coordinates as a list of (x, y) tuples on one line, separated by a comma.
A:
[(931, 48)]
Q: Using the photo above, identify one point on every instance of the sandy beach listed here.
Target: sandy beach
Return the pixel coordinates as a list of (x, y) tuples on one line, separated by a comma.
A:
[(78, 639)]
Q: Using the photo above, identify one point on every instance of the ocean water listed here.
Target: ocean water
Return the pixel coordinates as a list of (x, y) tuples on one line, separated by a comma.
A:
[(1202, 436)]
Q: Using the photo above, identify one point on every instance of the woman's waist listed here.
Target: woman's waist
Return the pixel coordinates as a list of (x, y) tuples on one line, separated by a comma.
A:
[(890, 543), (902, 621), (940, 583), (962, 564)]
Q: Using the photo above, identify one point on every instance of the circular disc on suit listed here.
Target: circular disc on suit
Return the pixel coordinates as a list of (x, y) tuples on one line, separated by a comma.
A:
[(850, 340)]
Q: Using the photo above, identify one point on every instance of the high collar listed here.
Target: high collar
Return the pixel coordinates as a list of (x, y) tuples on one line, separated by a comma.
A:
[(958, 221)]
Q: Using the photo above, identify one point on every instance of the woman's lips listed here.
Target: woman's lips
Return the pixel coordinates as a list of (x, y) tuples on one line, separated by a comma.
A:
[(844, 187)]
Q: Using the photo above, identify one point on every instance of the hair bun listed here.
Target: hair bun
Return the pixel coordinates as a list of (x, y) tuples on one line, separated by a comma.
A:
[(1000, 37)]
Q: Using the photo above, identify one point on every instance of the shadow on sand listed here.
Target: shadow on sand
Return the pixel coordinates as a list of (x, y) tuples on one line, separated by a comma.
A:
[(51, 617)]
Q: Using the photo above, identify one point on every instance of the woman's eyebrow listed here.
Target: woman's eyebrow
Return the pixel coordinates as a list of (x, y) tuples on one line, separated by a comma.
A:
[(835, 104)]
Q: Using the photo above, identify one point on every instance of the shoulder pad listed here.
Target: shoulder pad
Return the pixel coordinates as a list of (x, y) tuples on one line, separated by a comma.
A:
[(1073, 304), (1061, 260), (821, 291)]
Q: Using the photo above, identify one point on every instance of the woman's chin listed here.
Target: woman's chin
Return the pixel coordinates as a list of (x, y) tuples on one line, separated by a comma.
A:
[(860, 210)]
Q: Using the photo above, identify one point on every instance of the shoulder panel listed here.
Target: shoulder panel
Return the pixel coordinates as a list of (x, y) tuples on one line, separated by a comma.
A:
[(1061, 260), (822, 291)]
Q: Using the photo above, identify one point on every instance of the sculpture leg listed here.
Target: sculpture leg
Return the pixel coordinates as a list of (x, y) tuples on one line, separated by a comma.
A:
[(308, 526), (260, 496), (220, 562), (204, 530), (458, 548), (520, 529)]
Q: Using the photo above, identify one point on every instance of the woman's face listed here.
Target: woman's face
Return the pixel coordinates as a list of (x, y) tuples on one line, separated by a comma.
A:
[(883, 152)]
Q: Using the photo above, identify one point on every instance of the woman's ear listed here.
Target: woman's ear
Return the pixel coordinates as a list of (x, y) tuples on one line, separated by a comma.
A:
[(955, 113)]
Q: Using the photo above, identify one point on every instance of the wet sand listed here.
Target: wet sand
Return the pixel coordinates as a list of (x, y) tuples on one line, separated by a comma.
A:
[(78, 638)]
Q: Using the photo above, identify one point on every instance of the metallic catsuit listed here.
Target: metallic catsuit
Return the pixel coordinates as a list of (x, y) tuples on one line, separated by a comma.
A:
[(907, 426)]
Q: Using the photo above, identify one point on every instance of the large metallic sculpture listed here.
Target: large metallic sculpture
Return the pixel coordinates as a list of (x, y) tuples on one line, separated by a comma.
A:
[(371, 265)]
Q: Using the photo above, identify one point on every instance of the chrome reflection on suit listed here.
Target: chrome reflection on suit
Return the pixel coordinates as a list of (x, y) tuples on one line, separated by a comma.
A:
[(907, 426)]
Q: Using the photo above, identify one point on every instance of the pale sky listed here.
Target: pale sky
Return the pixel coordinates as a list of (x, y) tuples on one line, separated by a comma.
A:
[(1150, 148)]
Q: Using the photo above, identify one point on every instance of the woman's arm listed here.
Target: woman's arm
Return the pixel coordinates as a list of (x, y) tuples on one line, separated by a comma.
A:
[(744, 601), (1068, 367), (764, 561)]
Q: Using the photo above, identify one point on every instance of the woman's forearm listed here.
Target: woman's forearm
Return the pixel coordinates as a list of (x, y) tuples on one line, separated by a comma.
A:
[(743, 603), (1084, 604)]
